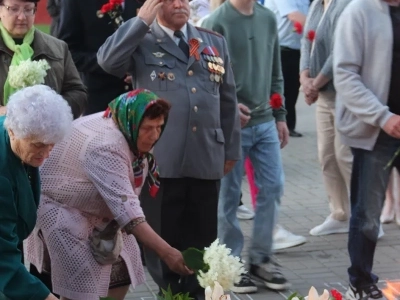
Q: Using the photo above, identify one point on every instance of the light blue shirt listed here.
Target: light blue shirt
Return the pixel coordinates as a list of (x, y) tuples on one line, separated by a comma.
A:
[(281, 9)]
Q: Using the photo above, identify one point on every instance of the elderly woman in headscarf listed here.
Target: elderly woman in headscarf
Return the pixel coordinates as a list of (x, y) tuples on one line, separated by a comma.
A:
[(37, 118), (90, 184), (20, 41)]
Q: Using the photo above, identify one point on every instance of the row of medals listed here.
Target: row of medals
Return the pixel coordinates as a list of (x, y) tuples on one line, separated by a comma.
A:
[(215, 66)]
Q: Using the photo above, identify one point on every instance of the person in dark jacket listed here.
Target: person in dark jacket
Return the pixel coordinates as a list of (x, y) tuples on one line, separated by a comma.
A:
[(53, 8), (84, 31)]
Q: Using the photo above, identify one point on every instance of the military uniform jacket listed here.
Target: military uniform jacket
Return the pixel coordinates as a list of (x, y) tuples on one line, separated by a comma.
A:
[(203, 129)]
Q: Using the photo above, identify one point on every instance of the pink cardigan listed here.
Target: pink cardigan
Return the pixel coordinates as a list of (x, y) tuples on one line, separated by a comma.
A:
[(86, 182)]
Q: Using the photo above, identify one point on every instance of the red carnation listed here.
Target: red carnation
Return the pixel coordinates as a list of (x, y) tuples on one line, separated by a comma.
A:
[(311, 35), (116, 2), (106, 8), (276, 101), (336, 294), (298, 28)]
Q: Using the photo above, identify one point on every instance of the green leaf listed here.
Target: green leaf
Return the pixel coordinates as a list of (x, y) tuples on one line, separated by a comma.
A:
[(194, 259), (295, 295), (168, 295)]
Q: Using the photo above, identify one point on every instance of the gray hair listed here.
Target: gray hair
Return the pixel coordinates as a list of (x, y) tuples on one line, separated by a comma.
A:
[(38, 111)]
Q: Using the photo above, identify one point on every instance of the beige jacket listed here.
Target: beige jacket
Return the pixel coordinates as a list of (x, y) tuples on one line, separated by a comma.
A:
[(63, 76)]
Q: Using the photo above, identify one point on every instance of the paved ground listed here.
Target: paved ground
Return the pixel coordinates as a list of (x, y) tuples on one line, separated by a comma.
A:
[(322, 262)]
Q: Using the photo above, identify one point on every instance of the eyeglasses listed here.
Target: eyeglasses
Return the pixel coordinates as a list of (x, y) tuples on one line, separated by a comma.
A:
[(16, 11)]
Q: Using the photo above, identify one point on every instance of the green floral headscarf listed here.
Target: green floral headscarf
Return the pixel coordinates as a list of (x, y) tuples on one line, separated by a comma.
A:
[(127, 111)]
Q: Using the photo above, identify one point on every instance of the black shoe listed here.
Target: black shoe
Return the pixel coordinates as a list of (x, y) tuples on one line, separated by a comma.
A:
[(366, 292), (245, 285), (294, 133), (270, 275)]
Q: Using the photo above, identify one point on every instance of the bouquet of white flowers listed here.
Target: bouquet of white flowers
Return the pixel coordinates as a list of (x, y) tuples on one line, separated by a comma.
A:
[(214, 264), (28, 73)]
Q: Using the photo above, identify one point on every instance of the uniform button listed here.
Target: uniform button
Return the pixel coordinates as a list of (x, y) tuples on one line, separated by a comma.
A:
[(193, 90), (194, 129), (195, 109), (190, 73), (126, 87), (161, 62)]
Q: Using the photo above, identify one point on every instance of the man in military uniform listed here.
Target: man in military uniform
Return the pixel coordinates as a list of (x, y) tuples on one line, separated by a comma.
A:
[(190, 67)]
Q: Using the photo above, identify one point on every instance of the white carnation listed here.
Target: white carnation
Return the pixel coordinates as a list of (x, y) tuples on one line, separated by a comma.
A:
[(28, 73), (224, 267)]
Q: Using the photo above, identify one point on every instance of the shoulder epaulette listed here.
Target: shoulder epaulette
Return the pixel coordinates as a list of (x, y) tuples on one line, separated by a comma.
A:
[(209, 31)]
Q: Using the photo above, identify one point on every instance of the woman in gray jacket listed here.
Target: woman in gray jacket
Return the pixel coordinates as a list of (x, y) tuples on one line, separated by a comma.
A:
[(316, 79)]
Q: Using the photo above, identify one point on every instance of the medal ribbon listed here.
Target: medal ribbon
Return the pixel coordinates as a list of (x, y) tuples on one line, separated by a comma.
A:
[(194, 46)]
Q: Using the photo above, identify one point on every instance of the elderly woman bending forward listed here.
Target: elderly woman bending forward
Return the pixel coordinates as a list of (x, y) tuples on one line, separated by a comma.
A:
[(37, 118), (92, 182)]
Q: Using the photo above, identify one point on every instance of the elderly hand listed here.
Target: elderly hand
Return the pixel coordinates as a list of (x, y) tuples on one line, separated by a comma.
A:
[(51, 297), (148, 11), (3, 110), (283, 133), (392, 126), (244, 113), (174, 260), (229, 164)]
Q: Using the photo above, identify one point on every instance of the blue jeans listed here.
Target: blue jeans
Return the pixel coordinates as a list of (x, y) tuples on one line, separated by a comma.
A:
[(369, 180), (261, 144)]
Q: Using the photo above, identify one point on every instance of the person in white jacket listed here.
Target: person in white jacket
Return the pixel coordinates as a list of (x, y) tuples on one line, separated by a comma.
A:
[(367, 78)]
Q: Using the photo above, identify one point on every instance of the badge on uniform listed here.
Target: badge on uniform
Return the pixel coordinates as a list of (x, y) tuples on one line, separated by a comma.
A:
[(214, 63), (153, 75), (158, 54)]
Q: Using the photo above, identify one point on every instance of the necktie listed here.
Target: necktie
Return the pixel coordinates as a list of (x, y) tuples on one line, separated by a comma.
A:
[(182, 44)]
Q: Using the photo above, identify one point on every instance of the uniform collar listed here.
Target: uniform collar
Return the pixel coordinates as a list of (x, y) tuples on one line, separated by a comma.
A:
[(170, 32)]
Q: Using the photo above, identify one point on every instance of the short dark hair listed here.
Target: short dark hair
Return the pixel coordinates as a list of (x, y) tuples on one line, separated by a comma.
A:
[(158, 109), (33, 1)]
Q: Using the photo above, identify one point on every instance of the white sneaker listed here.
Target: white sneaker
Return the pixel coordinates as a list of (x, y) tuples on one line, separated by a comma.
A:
[(330, 226), (243, 213), (285, 239)]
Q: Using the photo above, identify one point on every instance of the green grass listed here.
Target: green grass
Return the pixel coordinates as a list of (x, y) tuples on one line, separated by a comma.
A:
[(43, 27)]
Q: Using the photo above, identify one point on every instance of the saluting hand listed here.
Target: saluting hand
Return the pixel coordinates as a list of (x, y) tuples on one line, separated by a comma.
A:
[(148, 11)]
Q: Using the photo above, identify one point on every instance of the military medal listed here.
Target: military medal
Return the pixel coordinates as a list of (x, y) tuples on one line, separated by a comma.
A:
[(212, 77), (217, 77), (171, 76), (161, 75)]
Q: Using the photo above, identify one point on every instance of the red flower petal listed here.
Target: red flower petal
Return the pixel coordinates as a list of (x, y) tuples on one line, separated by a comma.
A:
[(298, 28), (276, 101), (336, 294), (106, 8), (311, 35)]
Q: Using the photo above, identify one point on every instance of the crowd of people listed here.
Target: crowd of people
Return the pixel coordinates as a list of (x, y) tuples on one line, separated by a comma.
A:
[(145, 125)]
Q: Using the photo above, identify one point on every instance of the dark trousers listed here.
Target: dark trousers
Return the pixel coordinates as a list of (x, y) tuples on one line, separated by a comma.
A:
[(290, 59), (369, 181), (184, 214)]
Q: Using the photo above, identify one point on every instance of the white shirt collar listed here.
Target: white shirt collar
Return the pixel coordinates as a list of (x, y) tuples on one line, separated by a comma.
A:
[(170, 33)]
